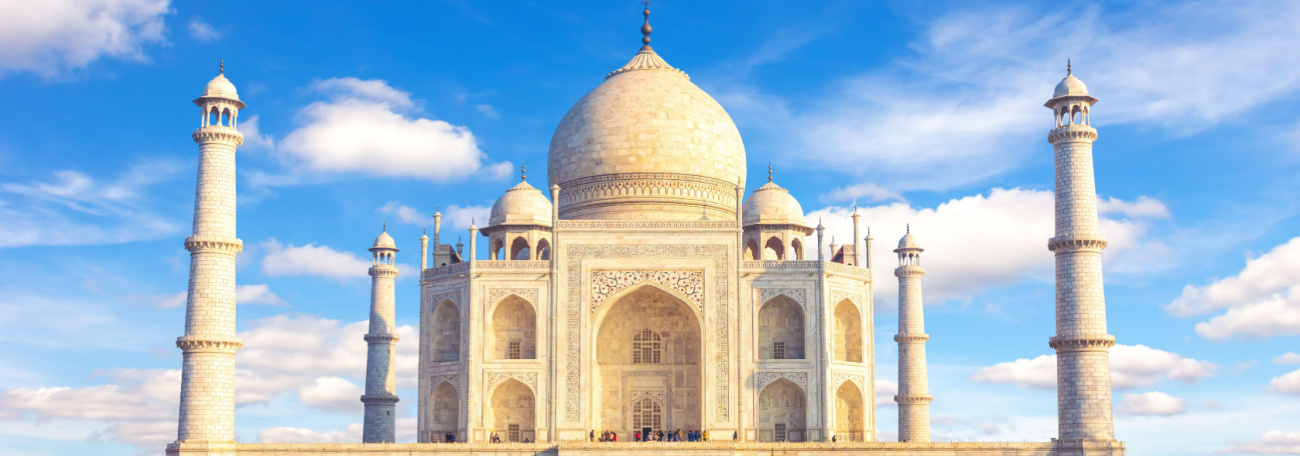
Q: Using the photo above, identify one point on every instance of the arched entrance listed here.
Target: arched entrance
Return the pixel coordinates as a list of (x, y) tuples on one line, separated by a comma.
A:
[(781, 413), (780, 329), (445, 338), (444, 409), (848, 332), (514, 329), (848, 413), (648, 367), (513, 412)]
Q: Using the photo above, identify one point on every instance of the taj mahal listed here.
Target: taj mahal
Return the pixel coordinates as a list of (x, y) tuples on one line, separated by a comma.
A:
[(643, 288)]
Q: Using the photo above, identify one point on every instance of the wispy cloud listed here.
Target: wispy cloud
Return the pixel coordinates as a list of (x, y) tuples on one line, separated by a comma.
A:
[(202, 31), (53, 37), (1262, 301), (1131, 366), (1152, 403), (76, 209)]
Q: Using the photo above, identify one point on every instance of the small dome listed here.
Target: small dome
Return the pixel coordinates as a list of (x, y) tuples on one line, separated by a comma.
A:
[(771, 204), (521, 205), (908, 242), (384, 241), (1070, 87), (220, 87)]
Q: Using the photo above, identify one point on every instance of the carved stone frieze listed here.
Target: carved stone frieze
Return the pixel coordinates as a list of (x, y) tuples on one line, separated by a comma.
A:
[(857, 379), (799, 295), (527, 378), (497, 294), (799, 378), (609, 282)]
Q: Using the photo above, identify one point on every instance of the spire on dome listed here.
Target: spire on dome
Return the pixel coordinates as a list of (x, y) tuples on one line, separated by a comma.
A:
[(645, 28), (1069, 68), (523, 172), (221, 67), (769, 171), (646, 59)]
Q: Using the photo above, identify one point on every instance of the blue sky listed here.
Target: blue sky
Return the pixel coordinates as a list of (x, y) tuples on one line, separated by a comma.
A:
[(924, 114)]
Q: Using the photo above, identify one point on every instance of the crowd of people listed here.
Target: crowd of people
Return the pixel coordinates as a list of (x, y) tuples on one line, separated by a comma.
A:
[(654, 436)]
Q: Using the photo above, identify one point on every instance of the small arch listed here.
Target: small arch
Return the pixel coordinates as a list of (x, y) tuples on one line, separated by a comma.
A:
[(494, 248), (781, 329), (513, 411), (225, 117), (849, 423), (445, 338), (519, 249), (751, 250), (796, 249), (543, 249), (444, 410), (647, 413), (848, 332), (773, 250), (782, 412), (214, 117), (1074, 115), (647, 347), (514, 329)]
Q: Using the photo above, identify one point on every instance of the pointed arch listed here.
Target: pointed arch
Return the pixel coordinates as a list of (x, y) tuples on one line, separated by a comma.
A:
[(849, 417), (796, 249), (781, 329), (495, 245), (514, 329), (848, 332), (519, 249), (751, 250), (782, 412), (446, 336), (543, 249), (773, 249), (443, 411), (513, 411)]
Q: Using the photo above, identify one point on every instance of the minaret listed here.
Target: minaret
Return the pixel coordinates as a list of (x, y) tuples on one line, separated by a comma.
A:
[(424, 252), (866, 256), (856, 252), (381, 379), (207, 403), (913, 383), (1082, 344)]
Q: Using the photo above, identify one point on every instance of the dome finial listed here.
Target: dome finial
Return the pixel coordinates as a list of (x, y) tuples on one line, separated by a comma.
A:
[(221, 68), (769, 171), (385, 227), (523, 172), (909, 228), (1069, 68), (645, 28)]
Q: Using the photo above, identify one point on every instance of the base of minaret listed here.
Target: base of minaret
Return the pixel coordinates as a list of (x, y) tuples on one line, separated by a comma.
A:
[(379, 418), (202, 449), (914, 418)]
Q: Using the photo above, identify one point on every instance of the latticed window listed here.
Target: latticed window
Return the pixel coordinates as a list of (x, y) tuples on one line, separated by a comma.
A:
[(647, 413), (646, 348), (778, 350), (512, 351), (512, 433), (779, 434)]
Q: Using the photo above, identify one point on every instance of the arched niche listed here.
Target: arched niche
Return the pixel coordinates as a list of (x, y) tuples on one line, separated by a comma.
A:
[(519, 249), (848, 332), (751, 250), (773, 249), (782, 412), (849, 422), (444, 409), (781, 329), (444, 341), (647, 320), (512, 412), (796, 249), (514, 329), (543, 249)]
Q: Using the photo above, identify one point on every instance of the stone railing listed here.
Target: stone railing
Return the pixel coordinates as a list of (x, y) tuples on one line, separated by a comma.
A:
[(831, 268), (443, 271)]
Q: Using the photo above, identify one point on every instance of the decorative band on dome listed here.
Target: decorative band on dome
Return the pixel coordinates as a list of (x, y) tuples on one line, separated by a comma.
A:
[(647, 59)]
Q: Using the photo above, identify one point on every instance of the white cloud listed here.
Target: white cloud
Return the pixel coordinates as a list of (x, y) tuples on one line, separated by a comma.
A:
[(51, 37), (1273, 442), (253, 137), (203, 31), (972, 243), (311, 260), (460, 217), (1144, 207), (366, 127), (331, 393), (257, 294), (1262, 277), (885, 392), (863, 192), (966, 103), (1274, 316), (132, 410), (1131, 366), (77, 209), (1152, 403), (1287, 358), (302, 435), (406, 214), (1286, 384), (487, 111)]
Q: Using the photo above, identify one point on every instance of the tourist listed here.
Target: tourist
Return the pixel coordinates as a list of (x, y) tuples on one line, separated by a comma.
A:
[(615, 434), (704, 435), (592, 435), (636, 436), (735, 436)]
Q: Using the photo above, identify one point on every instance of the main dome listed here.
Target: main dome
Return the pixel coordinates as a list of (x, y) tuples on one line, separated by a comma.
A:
[(647, 144)]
